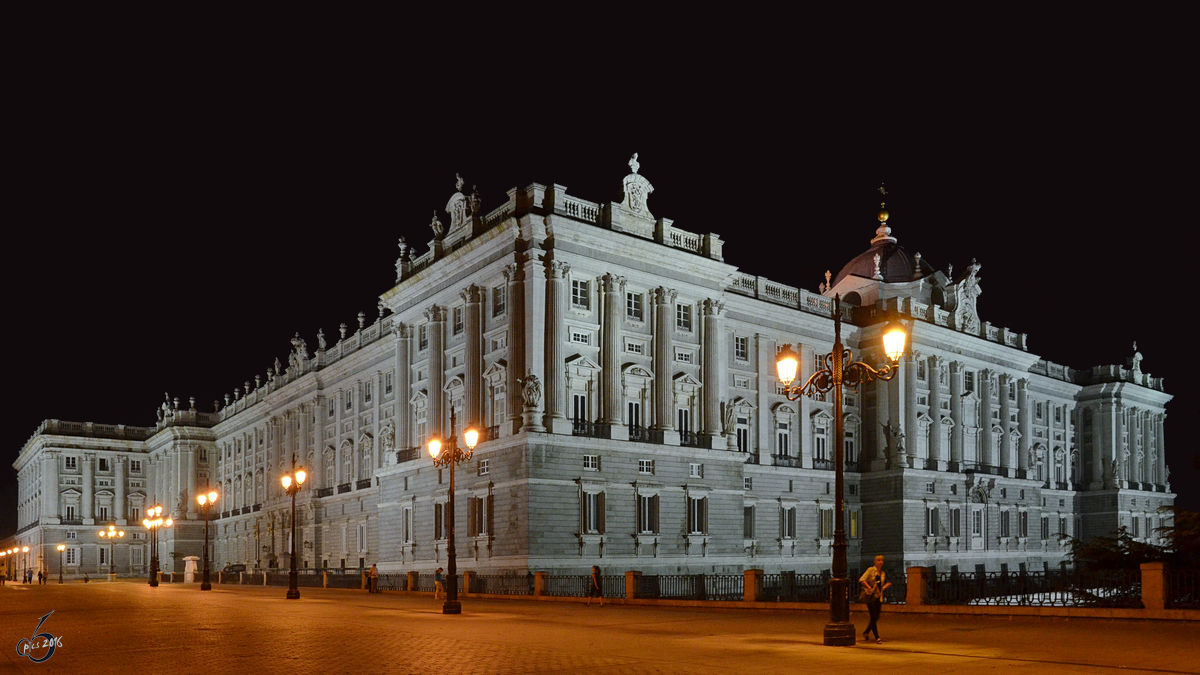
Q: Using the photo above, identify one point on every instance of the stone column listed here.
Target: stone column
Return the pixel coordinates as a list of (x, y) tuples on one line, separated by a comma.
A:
[(120, 509), (555, 389), (403, 389), (1162, 478), (435, 331), (987, 441), (89, 483), (376, 423), (714, 358), (912, 429), (1024, 424), (1148, 473), (533, 315), (322, 411), (515, 301), (1005, 410), (956, 433), (613, 287), (1120, 469), (765, 350), (189, 460), (50, 488), (936, 451), (664, 299), (1102, 443), (473, 352), (880, 460)]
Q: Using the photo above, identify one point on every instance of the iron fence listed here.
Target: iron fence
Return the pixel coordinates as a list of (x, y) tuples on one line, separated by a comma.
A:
[(393, 582), (691, 586), (1183, 589), (576, 585), (1100, 588), (792, 587), (501, 584)]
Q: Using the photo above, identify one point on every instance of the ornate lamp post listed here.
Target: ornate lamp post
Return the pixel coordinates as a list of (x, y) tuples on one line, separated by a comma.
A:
[(24, 558), (154, 522), (110, 534), (206, 502), (61, 548), (840, 368), (452, 455), (292, 486)]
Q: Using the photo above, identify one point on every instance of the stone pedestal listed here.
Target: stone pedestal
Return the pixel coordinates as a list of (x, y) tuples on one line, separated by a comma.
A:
[(189, 568)]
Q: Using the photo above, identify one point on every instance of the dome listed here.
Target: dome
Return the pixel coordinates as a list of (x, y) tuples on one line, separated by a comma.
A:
[(895, 264)]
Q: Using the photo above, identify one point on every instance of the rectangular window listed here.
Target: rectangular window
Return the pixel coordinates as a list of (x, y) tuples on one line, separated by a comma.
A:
[(579, 407), (1004, 524), (387, 383), (748, 522), (921, 370), (135, 513), (1039, 410), (827, 523), (697, 515), (362, 538), (72, 556), (1012, 391), (439, 521), (1057, 415), (407, 525), (633, 306), (647, 514), (1045, 527), (1023, 524), (70, 512), (976, 523), (683, 418), (821, 449), (747, 483), (848, 400), (969, 381), (72, 535), (367, 392), (103, 513), (683, 356), (695, 470), (634, 414), (580, 297), (848, 447), (330, 407), (499, 342), (135, 466), (485, 467), (743, 434), (423, 337), (1062, 526), (499, 296), (787, 523), (634, 347), (741, 382), (591, 462), (853, 534), (783, 439), (956, 523), (349, 400), (1133, 526), (929, 488), (580, 338), (72, 463), (922, 399), (104, 465), (741, 348), (683, 316), (646, 467), (931, 522), (479, 512), (593, 512), (458, 320)]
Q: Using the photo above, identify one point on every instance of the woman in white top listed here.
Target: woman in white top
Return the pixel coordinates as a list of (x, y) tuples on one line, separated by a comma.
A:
[(874, 582)]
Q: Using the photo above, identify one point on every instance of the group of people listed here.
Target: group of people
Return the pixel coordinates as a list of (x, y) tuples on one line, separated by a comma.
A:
[(27, 577)]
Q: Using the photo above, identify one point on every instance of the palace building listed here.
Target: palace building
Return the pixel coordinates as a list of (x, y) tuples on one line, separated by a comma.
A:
[(623, 377)]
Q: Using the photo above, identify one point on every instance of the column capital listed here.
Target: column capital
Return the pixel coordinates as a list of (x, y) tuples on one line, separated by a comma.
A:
[(713, 307), (435, 313), (663, 295), (557, 269), (612, 283), (471, 294), (400, 329), (956, 367)]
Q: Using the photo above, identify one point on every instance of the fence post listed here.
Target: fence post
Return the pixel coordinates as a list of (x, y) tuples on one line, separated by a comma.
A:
[(631, 584), (539, 583), (362, 581), (918, 582), (264, 578), (241, 580), (412, 581), (751, 584), (1154, 585), (325, 579), (466, 583)]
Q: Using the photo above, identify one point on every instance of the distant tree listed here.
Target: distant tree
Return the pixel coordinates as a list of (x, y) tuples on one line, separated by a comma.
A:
[(1181, 537), (1117, 551)]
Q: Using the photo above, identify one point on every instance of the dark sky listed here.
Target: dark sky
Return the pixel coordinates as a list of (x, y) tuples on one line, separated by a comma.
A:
[(172, 237)]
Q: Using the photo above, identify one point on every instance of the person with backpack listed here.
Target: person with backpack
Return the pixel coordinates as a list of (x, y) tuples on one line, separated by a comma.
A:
[(874, 582)]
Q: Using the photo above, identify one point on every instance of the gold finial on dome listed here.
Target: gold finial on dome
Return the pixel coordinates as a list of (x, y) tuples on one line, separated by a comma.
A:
[(883, 214)]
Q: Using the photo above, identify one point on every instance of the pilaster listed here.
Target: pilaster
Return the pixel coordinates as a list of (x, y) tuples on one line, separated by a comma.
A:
[(956, 432), (89, 488), (713, 357), (435, 331), (555, 378), (613, 287), (1024, 424), (664, 331), (473, 328), (534, 322), (403, 388)]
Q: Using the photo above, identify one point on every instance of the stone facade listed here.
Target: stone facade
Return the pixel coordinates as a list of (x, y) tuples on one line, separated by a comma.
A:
[(624, 377)]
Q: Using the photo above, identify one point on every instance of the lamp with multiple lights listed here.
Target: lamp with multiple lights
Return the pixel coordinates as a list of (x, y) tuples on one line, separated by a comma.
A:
[(450, 455), (206, 500), (839, 369), (155, 522), (291, 485), (111, 533)]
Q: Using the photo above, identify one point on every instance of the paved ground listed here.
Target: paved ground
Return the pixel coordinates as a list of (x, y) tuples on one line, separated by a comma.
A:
[(129, 627)]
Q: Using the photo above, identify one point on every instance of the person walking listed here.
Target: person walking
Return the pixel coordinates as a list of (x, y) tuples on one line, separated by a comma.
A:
[(439, 589), (874, 582), (373, 576), (40, 577), (594, 588)]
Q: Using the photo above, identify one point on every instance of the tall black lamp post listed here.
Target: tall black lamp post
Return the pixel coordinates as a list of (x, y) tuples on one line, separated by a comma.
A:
[(61, 548), (155, 522), (291, 485), (449, 456), (206, 502), (110, 534), (839, 368)]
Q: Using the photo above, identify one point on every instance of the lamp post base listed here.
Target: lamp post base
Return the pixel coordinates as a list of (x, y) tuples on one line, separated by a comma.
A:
[(206, 586), (294, 594), (112, 577), (452, 607), (840, 634)]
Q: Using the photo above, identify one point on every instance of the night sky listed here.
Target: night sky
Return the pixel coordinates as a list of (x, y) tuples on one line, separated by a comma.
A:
[(172, 238)]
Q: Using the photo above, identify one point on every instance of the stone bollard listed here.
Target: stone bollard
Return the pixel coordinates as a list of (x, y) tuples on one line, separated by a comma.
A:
[(412, 581), (325, 579), (751, 585), (539, 583), (264, 578), (362, 582), (631, 584), (466, 584), (918, 585), (1154, 585)]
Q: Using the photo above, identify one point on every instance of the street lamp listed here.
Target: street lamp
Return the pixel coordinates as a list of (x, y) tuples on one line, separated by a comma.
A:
[(452, 455), (112, 532), (206, 501), (840, 368), (61, 548), (154, 523), (25, 558), (291, 487)]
